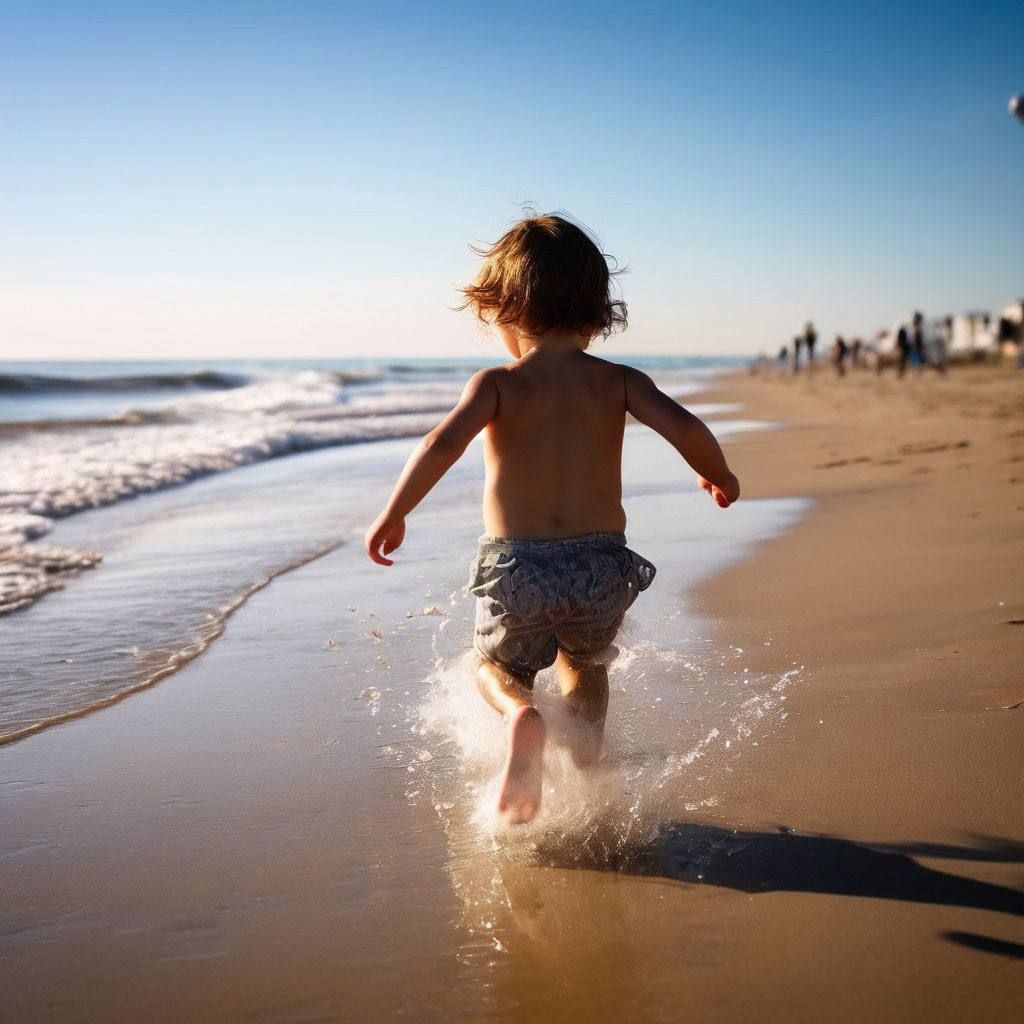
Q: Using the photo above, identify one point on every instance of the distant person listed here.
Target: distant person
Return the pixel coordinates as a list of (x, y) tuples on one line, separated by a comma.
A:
[(917, 341), (873, 352), (839, 350), (810, 339), (798, 347), (902, 350), (783, 360), (553, 576), (856, 353)]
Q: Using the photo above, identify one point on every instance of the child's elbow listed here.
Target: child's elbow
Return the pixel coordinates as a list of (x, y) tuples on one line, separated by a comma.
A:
[(442, 444)]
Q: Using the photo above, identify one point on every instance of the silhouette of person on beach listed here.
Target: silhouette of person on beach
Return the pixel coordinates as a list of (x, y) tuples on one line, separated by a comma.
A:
[(810, 339), (798, 347), (857, 353), (902, 350), (839, 350), (917, 341), (553, 576)]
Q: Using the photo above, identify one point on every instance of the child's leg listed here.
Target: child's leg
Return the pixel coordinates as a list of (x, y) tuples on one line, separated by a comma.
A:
[(585, 689), (520, 791)]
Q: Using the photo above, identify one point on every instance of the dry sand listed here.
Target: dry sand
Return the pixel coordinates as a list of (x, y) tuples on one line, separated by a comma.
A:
[(904, 595), (214, 849)]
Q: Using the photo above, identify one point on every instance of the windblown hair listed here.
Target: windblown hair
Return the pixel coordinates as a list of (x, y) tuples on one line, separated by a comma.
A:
[(546, 274)]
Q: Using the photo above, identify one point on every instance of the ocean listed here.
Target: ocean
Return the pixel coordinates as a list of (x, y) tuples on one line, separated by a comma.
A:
[(125, 545)]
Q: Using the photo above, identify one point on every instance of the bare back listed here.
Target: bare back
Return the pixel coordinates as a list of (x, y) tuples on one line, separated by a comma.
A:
[(553, 452)]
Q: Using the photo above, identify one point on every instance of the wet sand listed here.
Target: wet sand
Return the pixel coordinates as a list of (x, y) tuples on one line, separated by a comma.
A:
[(277, 833)]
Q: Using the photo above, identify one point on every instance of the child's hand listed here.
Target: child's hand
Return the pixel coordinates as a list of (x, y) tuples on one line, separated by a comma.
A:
[(724, 496), (383, 537)]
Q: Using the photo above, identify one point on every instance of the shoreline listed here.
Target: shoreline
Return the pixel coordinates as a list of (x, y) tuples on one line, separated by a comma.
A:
[(91, 530), (179, 659)]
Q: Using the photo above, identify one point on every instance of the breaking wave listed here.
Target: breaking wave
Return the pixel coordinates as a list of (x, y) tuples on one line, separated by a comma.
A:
[(18, 383)]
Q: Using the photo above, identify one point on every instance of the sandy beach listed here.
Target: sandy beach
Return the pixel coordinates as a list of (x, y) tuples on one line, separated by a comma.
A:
[(810, 807), (903, 595)]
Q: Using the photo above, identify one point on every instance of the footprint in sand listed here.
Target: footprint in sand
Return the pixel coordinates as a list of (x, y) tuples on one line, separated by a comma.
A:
[(843, 462), (927, 447)]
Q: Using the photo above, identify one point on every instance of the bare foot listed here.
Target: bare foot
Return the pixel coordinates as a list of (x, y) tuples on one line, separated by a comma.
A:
[(519, 796)]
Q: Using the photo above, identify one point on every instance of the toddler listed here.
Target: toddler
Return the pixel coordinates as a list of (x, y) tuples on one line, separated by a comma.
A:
[(553, 576)]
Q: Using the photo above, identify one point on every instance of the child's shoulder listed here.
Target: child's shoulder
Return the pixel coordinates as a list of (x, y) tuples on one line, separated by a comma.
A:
[(605, 365), (614, 372)]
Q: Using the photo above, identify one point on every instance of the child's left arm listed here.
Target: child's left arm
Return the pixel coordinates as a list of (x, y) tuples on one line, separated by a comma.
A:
[(433, 457)]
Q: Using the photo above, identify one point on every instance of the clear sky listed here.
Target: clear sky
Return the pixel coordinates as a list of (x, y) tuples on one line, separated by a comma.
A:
[(302, 179)]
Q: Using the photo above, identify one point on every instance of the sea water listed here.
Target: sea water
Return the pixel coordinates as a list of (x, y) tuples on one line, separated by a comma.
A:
[(121, 466)]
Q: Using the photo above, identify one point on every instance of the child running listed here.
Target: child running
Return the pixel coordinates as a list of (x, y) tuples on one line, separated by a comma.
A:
[(553, 576)]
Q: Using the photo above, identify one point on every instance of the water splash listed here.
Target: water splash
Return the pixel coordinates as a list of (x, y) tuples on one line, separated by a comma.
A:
[(676, 717)]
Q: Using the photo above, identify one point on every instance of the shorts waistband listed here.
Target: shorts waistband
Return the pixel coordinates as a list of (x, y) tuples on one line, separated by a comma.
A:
[(585, 540)]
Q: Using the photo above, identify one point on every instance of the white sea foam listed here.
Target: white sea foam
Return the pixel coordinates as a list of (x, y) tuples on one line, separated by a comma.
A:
[(45, 474), (55, 468)]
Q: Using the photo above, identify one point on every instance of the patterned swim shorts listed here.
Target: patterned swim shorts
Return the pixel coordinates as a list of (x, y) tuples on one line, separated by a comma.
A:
[(536, 597)]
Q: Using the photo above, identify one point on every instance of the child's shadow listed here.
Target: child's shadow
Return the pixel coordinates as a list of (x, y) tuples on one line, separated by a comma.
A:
[(785, 860)]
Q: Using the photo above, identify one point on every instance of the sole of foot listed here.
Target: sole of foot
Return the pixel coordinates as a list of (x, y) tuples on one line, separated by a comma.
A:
[(520, 790)]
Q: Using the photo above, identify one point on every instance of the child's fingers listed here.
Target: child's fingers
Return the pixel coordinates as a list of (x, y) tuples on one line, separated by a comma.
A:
[(377, 557), (373, 545), (720, 499)]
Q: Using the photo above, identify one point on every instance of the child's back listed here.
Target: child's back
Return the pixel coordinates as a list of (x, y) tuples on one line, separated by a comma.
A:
[(553, 576), (553, 451)]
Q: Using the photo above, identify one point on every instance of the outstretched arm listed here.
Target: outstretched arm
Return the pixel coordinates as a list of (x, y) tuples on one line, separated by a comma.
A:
[(685, 432), (433, 457)]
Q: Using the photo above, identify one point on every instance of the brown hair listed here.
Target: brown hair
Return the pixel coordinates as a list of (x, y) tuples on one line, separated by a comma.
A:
[(546, 274)]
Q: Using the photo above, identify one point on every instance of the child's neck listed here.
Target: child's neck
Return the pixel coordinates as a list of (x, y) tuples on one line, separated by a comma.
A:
[(551, 342)]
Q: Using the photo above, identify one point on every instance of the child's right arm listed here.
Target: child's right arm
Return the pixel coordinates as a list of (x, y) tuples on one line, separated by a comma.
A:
[(433, 457), (685, 432)]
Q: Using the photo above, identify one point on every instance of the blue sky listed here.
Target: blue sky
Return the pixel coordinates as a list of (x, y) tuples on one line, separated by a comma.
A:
[(257, 179)]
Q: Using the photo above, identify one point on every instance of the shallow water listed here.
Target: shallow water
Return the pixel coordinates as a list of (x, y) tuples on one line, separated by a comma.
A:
[(77, 436), (177, 562)]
